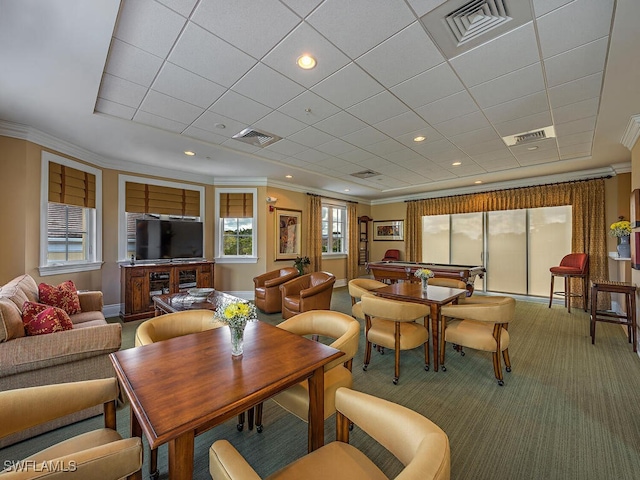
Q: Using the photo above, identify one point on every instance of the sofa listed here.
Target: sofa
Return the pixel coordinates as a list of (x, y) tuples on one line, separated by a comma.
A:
[(81, 353)]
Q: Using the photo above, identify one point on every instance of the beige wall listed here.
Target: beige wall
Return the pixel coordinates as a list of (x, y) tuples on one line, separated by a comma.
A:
[(390, 211)]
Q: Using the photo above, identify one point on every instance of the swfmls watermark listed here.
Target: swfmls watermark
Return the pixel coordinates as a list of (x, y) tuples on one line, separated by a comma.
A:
[(46, 466)]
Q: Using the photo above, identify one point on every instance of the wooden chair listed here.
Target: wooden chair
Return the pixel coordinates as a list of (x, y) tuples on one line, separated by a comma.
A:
[(572, 265)]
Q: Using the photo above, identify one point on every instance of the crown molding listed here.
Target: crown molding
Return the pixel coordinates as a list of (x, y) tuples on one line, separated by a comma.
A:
[(631, 134), (240, 181), (315, 191)]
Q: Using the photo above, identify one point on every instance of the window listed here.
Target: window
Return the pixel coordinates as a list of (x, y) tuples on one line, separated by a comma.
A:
[(334, 228), (70, 216), (236, 218)]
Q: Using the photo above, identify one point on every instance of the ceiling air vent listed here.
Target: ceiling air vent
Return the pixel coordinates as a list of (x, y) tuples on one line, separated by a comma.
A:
[(529, 137), (366, 174), (256, 137), (477, 18)]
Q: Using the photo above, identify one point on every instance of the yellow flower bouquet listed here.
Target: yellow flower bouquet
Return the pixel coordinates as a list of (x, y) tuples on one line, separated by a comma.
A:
[(423, 273), (620, 229), (236, 313)]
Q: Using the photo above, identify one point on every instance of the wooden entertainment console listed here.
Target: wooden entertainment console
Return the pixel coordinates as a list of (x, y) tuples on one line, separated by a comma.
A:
[(140, 283)]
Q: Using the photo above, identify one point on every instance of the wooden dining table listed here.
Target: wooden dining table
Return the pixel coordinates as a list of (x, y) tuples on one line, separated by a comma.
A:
[(181, 387), (435, 296)]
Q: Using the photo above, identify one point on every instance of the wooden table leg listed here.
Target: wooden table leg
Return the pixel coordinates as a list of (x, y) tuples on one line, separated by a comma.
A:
[(435, 328), (316, 410), (136, 431), (181, 457)]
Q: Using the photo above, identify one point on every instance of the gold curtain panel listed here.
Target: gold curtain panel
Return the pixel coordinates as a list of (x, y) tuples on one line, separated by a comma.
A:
[(236, 205), (144, 198), (71, 186)]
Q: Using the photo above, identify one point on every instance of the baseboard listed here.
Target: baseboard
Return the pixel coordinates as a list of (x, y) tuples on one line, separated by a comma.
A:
[(111, 310)]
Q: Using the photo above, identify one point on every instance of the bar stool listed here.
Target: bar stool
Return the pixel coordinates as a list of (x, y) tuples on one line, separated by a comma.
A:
[(572, 265), (628, 319)]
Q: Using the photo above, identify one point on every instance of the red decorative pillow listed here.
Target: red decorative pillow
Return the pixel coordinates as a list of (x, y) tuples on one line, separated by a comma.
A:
[(64, 296), (39, 319)]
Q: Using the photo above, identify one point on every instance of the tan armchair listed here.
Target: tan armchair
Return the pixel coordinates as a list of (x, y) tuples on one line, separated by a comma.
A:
[(357, 287), (421, 446), (101, 454), (307, 292), (267, 288), (392, 324), (480, 323)]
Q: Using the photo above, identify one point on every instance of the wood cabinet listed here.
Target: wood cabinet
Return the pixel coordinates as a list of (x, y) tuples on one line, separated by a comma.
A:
[(140, 283)]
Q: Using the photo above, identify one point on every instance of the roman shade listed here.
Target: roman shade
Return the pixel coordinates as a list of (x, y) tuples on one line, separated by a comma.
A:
[(145, 198), (70, 186), (236, 205)]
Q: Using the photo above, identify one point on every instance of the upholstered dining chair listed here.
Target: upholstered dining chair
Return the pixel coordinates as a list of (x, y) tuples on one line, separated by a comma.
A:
[(357, 287), (267, 288), (417, 442), (479, 323), (572, 265), (447, 282), (97, 455), (307, 292), (392, 324), (337, 330)]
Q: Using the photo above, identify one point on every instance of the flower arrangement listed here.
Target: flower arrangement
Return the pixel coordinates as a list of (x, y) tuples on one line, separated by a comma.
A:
[(236, 314), (619, 229), (423, 273), (300, 263)]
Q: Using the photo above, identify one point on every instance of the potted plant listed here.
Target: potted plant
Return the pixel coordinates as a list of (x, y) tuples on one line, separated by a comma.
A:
[(300, 263)]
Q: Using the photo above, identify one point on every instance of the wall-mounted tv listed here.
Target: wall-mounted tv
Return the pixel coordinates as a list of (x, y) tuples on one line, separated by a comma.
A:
[(168, 239)]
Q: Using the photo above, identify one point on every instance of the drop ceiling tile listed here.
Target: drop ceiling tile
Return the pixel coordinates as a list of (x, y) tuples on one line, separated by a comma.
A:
[(347, 86), (305, 39), (473, 137), (356, 155), (542, 7), (453, 106), (271, 155), (575, 91), (340, 124), (302, 7), (403, 156), (312, 156), (481, 147), (240, 108), (402, 124), (575, 151), (524, 124), (335, 147), (513, 85), (359, 25), (470, 168), (258, 32), (340, 165), (447, 156), (378, 108), (267, 86), (385, 147), (204, 135), (114, 109), (205, 54), (238, 145), (433, 148), (537, 157), (576, 138), (439, 174), (158, 122), (579, 62), (379, 165), (574, 24), (520, 107), (297, 162), (122, 91), (576, 111), (427, 87), (463, 124), (187, 86), (576, 126), (316, 167), (208, 121), (548, 145), (133, 64), (493, 156), (286, 147), (403, 56), (168, 107), (499, 165), (422, 7), (279, 124), (364, 137), (504, 54), (149, 26), (309, 108), (311, 137)]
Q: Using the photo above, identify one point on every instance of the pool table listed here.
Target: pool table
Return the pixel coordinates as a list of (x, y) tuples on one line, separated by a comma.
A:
[(391, 272)]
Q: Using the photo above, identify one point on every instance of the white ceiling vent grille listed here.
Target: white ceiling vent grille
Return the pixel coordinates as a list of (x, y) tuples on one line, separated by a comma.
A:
[(256, 137), (529, 137), (366, 174), (477, 18)]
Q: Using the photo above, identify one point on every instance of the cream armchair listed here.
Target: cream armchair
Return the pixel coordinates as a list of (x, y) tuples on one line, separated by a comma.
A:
[(480, 323), (307, 292), (98, 455), (267, 288), (357, 287), (421, 446)]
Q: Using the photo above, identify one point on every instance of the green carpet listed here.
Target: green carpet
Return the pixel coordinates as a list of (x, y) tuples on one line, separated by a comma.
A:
[(568, 409)]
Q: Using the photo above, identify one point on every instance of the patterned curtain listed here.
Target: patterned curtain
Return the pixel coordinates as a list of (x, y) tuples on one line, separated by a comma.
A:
[(314, 233), (589, 234), (352, 252)]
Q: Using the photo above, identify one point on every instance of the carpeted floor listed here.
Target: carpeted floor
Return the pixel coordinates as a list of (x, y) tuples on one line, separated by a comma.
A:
[(568, 409)]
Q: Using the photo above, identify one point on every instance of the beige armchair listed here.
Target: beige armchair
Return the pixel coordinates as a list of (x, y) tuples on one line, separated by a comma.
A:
[(421, 446), (267, 288), (307, 292), (357, 287), (98, 455), (392, 324), (447, 282), (480, 323)]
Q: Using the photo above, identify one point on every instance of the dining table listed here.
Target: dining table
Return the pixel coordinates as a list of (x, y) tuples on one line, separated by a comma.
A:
[(435, 296), (181, 387)]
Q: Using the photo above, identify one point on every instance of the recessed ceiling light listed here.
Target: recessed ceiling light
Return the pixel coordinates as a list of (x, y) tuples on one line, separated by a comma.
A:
[(419, 139), (455, 164), (306, 62), (478, 181), (347, 190), (288, 176), (189, 152), (532, 148)]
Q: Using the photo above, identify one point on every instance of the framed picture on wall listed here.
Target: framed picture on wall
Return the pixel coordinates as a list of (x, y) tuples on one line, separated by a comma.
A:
[(388, 230), (288, 231)]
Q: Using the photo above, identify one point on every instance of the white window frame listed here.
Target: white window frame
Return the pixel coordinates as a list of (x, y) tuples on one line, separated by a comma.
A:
[(122, 213), (94, 228), (220, 256), (344, 254)]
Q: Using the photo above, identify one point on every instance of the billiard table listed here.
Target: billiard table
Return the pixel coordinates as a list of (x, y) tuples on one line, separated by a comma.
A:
[(391, 272)]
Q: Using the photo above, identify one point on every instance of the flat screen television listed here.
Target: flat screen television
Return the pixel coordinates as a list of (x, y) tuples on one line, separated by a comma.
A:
[(168, 239)]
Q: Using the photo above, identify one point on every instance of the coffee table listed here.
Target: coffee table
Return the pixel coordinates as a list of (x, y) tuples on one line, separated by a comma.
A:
[(179, 302), (175, 386)]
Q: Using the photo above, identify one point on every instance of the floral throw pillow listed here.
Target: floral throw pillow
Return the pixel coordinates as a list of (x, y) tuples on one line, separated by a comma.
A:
[(64, 296), (40, 319)]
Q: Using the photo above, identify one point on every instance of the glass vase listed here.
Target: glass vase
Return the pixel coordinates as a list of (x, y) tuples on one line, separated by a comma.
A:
[(425, 284), (237, 340)]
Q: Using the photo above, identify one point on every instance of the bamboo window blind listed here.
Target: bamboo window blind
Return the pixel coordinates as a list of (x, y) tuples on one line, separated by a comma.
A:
[(145, 198), (236, 205), (70, 186)]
